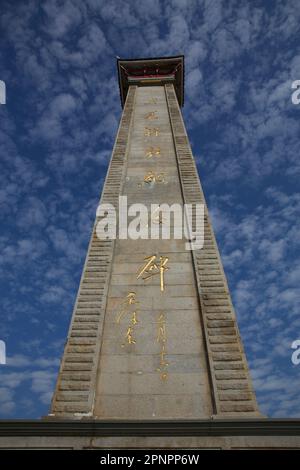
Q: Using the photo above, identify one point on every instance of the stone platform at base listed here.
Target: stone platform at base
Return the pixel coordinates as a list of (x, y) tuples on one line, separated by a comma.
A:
[(167, 434)]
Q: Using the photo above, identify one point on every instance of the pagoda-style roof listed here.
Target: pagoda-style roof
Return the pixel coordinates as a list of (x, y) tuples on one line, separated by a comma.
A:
[(149, 72)]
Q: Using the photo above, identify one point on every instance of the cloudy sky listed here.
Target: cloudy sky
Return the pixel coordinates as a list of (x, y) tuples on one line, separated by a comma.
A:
[(56, 134)]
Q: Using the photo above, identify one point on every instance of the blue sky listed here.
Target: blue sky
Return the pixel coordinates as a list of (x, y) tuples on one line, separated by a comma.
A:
[(56, 134)]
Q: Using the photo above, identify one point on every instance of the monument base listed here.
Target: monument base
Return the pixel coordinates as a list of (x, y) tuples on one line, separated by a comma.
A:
[(52, 433)]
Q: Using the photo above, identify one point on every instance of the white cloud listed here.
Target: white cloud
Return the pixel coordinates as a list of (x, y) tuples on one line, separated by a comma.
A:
[(61, 17), (193, 81)]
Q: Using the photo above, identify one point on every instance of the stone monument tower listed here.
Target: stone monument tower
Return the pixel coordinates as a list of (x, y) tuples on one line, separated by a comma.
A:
[(153, 333)]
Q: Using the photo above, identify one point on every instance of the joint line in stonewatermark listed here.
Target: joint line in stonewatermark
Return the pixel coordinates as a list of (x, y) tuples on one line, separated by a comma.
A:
[(156, 222), (2, 92)]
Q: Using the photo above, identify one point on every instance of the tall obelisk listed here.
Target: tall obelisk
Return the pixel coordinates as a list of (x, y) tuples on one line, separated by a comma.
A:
[(153, 333)]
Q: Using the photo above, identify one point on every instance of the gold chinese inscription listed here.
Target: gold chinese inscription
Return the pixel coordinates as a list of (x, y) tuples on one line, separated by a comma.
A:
[(125, 305), (161, 338), (128, 307), (153, 267), (153, 152), (151, 116), (151, 131), (129, 336), (152, 177)]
